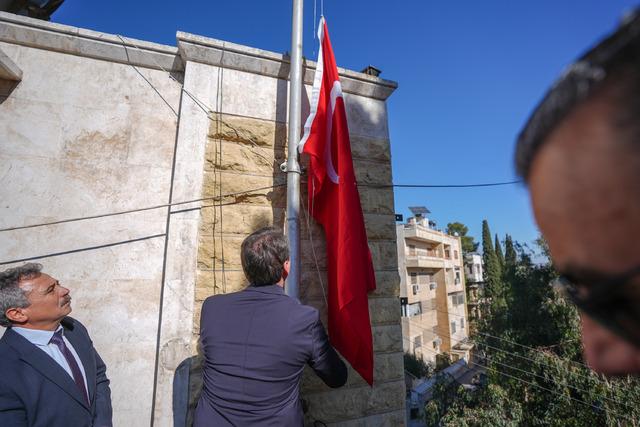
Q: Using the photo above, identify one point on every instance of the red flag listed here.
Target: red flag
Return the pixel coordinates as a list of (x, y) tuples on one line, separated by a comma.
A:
[(335, 203)]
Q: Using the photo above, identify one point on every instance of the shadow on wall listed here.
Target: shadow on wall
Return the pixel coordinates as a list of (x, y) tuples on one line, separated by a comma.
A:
[(187, 386), (6, 88)]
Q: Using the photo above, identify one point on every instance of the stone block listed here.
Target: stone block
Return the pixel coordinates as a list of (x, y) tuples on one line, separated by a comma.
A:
[(386, 367), (239, 219), (210, 283), (349, 403), (387, 419), (387, 338), (235, 189), (368, 172), (236, 157), (248, 131), (214, 252), (368, 148), (380, 226), (376, 200), (366, 116), (384, 254)]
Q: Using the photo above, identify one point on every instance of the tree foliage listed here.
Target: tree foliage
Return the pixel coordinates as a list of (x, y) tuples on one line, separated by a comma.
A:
[(467, 242), (533, 360), (416, 366)]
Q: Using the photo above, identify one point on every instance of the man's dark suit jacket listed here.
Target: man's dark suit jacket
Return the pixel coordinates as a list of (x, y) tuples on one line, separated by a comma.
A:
[(35, 391), (256, 343)]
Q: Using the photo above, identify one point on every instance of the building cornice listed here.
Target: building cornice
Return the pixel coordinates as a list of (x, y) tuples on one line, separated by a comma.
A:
[(230, 55), (25, 31)]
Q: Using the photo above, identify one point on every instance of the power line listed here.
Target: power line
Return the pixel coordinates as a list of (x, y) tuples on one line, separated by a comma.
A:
[(489, 184), (88, 248), (164, 205), (542, 363), (539, 386)]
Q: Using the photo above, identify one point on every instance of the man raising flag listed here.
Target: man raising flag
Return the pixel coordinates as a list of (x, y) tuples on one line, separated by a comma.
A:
[(335, 203)]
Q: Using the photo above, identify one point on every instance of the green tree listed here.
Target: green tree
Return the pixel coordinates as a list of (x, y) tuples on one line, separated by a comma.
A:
[(493, 290), (510, 256), (534, 363), (467, 242), (416, 366), (499, 255)]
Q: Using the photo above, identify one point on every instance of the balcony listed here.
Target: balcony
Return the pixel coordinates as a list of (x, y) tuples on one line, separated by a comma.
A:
[(423, 261), (419, 232)]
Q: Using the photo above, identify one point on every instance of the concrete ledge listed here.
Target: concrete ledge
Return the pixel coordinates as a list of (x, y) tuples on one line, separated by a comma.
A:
[(21, 30), (230, 55), (8, 69)]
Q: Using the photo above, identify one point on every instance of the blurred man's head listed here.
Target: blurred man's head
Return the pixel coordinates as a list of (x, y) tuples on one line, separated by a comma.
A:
[(32, 299), (265, 257), (580, 154)]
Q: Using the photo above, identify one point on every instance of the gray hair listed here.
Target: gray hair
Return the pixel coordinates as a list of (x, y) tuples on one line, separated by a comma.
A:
[(263, 254), (11, 295)]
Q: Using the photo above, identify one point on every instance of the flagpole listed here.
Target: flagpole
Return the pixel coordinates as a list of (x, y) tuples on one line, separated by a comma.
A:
[(293, 167)]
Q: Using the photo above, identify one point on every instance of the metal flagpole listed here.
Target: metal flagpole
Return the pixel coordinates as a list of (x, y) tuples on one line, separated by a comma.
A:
[(293, 167)]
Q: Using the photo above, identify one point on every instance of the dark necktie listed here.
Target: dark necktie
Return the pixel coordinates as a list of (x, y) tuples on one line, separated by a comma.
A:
[(75, 369)]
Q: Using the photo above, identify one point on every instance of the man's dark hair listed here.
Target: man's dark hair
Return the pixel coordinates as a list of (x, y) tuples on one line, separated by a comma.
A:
[(612, 64), (11, 295), (263, 254)]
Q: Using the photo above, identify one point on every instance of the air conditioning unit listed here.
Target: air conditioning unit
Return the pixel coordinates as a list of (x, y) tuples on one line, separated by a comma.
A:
[(433, 285), (437, 342)]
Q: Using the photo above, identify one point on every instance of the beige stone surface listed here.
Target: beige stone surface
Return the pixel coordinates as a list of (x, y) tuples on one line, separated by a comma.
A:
[(349, 403), (387, 367), (251, 131)]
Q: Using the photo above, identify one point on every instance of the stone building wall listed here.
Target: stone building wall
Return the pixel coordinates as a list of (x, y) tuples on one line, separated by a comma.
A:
[(98, 125)]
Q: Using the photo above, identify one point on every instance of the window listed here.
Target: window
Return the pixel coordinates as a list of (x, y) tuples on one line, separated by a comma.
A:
[(457, 299), (455, 254), (453, 327), (462, 323), (414, 309), (417, 342), (457, 281), (447, 253), (415, 289), (414, 278)]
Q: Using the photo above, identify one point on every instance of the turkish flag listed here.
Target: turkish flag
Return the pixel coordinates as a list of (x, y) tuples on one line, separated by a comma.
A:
[(335, 203)]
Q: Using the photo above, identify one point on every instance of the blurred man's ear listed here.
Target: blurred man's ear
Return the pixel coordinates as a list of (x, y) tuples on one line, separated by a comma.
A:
[(16, 315), (287, 266)]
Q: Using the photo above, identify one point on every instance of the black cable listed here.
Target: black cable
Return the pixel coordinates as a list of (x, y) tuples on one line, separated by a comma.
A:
[(89, 248), (164, 205), (488, 184)]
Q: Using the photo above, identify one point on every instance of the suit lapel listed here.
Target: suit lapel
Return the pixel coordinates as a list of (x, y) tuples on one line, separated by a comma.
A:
[(43, 363), (83, 347)]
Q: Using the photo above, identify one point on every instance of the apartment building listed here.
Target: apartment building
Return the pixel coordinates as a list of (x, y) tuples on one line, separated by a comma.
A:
[(432, 290), (474, 277)]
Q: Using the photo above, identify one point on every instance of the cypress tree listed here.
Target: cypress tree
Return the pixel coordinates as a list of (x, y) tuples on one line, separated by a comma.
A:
[(499, 255), (510, 257), (492, 277)]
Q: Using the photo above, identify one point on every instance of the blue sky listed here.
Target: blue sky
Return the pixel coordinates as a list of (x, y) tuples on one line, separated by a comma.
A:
[(469, 73)]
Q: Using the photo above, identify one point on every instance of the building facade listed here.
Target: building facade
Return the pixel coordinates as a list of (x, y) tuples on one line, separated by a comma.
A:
[(474, 275), (432, 291), (171, 156)]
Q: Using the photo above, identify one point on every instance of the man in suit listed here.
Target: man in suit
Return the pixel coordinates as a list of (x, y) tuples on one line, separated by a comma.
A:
[(257, 342), (580, 155), (50, 374)]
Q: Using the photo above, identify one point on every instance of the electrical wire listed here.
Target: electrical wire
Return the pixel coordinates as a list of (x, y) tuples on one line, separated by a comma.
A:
[(539, 386), (164, 205)]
